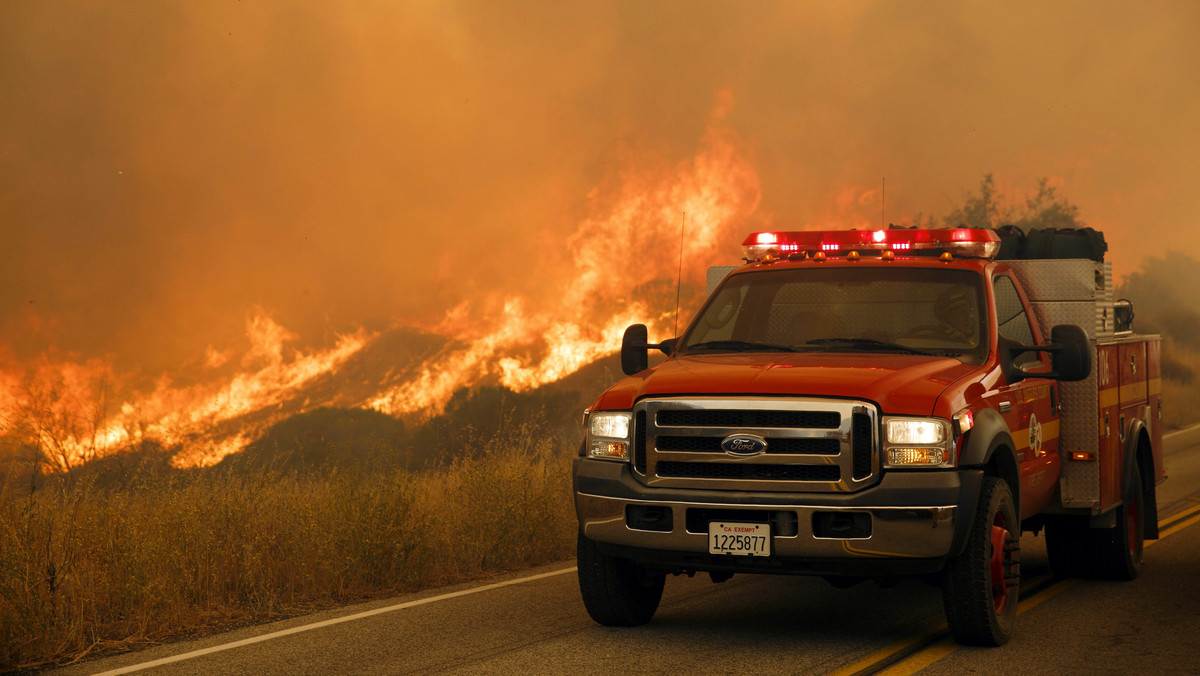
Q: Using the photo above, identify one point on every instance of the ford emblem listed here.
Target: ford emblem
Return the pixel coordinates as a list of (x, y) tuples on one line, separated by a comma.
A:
[(744, 444)]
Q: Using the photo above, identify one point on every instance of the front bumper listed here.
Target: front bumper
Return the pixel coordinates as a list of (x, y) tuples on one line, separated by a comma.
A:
[(917, 519)]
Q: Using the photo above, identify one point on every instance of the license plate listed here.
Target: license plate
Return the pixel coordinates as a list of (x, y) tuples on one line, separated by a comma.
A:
[(739, 539)]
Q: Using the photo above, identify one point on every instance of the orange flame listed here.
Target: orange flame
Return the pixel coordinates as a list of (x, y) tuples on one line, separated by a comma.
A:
[(63, 402), (631, 239)]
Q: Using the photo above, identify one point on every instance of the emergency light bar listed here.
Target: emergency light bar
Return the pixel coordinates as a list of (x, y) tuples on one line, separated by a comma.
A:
[(965, 242)]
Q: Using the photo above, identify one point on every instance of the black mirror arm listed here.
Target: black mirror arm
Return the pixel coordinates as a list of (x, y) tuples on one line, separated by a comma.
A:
[(1052, 375), (1014, 350), (666, 347), (1021, 349)]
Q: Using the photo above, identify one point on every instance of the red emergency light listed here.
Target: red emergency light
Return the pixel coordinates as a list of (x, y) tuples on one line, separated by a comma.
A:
[(965, 242)]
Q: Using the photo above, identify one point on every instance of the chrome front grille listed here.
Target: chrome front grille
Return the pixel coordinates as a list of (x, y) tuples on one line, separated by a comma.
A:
[(734, 417), (777, 445), (811, 444)]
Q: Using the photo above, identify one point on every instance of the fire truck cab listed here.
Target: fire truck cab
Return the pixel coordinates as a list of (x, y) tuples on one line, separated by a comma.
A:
[(870, 404)]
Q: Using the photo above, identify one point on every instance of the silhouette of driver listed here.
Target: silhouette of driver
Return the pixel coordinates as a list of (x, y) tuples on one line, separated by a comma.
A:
[(956, 315)]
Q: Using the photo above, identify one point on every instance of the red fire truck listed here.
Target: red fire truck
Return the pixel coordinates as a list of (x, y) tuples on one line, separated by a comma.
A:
[(871, 404)]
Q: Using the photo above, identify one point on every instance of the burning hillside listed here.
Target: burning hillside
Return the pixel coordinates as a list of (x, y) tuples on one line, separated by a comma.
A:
[(617, 268)]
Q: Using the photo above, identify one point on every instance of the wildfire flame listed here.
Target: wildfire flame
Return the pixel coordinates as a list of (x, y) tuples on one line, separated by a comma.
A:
[(63, 403), (627, 242), (631, 239)]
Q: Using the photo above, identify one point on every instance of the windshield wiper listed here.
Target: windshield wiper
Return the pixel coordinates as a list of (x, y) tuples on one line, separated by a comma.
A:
[(740, 346), (868, 345)]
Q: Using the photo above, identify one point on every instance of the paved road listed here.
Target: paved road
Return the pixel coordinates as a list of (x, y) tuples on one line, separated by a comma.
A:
[(535, 623)]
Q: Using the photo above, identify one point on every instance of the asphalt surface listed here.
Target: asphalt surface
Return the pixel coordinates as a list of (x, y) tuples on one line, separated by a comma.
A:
[(748, 624)]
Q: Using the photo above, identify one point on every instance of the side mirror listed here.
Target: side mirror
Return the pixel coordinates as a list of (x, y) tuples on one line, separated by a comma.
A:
[(1072, 360), (633, 349), (1070, 354), (634, 346)]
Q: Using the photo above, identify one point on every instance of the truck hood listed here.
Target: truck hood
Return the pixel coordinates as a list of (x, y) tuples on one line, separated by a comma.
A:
[(899, 384)]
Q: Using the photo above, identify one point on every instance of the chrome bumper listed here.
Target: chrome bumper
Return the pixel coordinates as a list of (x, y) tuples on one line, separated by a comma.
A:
[(913, 515), (897, 532)]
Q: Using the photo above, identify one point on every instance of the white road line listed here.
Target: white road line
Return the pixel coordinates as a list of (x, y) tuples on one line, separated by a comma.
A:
[(328, 623), (1177, 432)]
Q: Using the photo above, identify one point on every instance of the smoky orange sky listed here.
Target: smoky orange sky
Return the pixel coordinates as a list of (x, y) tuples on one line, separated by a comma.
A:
[(165, 167)]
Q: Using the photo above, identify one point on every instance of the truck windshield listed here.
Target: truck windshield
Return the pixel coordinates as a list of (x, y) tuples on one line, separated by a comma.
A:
[(931, 311)]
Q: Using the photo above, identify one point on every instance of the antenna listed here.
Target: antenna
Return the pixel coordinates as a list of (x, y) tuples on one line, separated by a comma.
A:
[(883, 205), (679, 272)]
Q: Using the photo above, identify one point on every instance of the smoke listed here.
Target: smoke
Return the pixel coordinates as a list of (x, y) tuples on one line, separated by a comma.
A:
[(167, 167)]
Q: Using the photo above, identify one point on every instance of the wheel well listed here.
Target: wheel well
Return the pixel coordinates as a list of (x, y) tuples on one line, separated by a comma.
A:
[(1145, 465), (1145, 460), (1003, 465)]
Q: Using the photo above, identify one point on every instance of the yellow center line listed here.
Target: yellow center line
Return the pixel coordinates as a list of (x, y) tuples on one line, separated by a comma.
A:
[(922, 659), (1180, 515), (1175, 529), (889, 650), (935, 652)]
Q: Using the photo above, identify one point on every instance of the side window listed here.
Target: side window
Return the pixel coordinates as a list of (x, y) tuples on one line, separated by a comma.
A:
[(1011, 320)]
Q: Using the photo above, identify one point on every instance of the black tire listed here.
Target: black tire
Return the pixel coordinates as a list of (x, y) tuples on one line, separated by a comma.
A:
[(1067, 546), (980, 586), (1117, 552), (616, 592)]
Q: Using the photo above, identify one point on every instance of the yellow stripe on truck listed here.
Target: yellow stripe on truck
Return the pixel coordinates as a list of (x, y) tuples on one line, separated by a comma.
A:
[(1108, 397), (1049, 430), (1021, 436), (1133, 393)]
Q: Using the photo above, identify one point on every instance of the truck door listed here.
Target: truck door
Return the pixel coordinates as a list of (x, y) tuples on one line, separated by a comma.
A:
[(1028, 406)]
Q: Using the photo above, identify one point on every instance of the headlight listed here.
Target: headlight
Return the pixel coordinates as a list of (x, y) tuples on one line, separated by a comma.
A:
[(922, 431), (917, 442), (608, 436)]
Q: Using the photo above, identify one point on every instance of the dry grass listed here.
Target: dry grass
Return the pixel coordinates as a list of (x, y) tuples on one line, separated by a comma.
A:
[(84, 569)]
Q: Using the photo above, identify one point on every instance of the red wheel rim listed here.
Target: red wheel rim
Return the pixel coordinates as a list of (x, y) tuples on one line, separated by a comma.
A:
[(999, 562)]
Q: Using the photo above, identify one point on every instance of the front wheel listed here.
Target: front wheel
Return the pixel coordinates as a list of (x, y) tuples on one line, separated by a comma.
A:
[(979, 586), (616, 592)]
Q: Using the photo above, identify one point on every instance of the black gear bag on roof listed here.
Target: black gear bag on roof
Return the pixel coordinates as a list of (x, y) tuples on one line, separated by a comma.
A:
[(1012, 243), (1065, 243)]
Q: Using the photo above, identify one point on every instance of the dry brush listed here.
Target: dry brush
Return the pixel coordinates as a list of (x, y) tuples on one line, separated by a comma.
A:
[(87, 568)]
